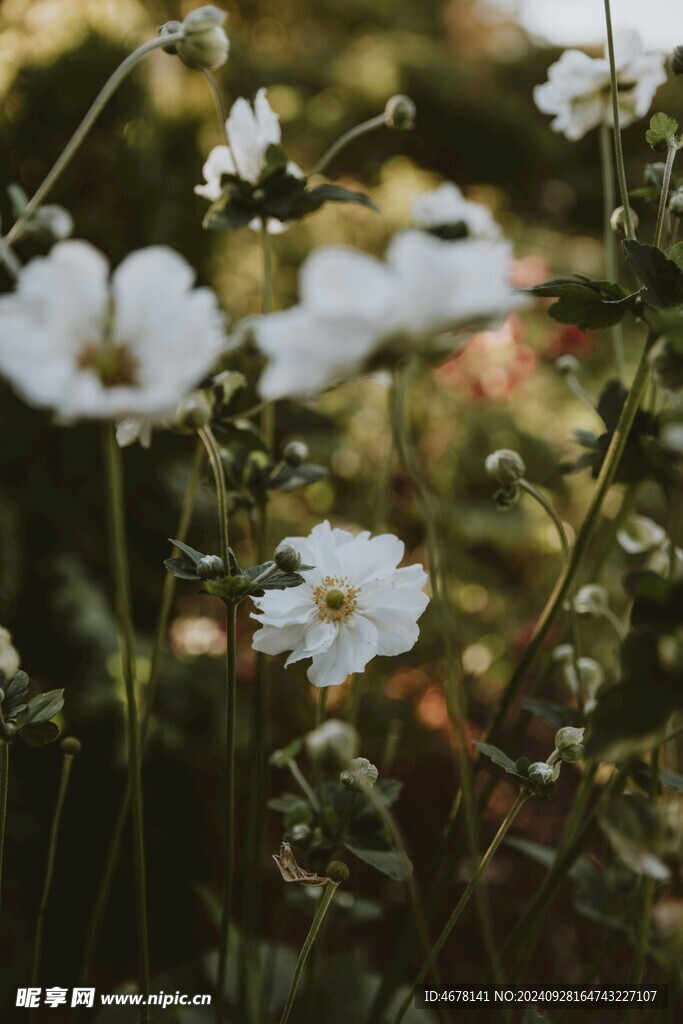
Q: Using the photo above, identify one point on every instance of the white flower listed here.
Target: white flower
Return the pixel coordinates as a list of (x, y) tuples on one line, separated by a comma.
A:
[(353, 305), (446, 207), (578, 88), (9, 658), (354, 605), (334, 740), (89, 346), (640, 534)]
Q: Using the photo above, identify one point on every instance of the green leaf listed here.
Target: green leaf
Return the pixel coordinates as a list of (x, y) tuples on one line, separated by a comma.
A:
[(39, 734), (375, 851), (43, 707), (675, 253), (335, 194), (388, 791), (283, 758), (290, 477), (661, 276), (192, 553), (179, 567), (497, 756), (556, 715), (662, 129), (227, 213), (667, 776), (18, 200), (590, 305), (278, 581), (285, 803), (16, 693)]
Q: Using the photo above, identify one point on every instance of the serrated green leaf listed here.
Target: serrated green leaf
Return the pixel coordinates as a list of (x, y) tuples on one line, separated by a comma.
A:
[(497, 756), (661, 276), (376, 851), (662, 128)]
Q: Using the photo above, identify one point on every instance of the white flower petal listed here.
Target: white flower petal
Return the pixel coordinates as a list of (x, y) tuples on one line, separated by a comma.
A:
[(354, 646)]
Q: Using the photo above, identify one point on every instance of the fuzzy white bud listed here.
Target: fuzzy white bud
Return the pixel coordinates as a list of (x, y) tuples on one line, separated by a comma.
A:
[(505, 466), (569, 743), (360, 773)]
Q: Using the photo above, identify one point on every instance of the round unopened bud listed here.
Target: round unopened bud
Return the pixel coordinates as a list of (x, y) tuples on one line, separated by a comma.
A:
[(666, 365), (505, 466), (287, 558), (618, 220), (10, 730), (676, 61), (210, 567), (567, 366), (301, 833), (359, 774), (337, 871), (569, 743), (541, 772), (71, 746), (400, 113), (195, 411), (333, 740), (676, 203), (205, 43), (295, 453), (591, 600)]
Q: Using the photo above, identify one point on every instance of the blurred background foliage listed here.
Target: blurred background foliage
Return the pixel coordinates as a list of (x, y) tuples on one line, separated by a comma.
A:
[(328, 65)]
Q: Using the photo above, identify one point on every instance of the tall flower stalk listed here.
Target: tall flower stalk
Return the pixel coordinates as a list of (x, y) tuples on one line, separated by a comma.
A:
[(4, 788), (616, 123), (121, 576), (609, 237)]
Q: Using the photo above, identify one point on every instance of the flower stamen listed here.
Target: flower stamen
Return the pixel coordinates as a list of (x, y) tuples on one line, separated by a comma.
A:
[(336, 600), (113, 364)]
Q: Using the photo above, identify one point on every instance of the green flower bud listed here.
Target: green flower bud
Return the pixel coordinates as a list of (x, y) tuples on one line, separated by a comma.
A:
[(170, 28), (541, 773), (301, 833), (676, 62), (295, 453), (205, 43), (195, 411), (618, 220), (210, 567), (287, 558), (505, 466), (591, 600), (399, 113), (666, 365), (71, 746), (567, 366), (10, 730), (337, 871), (359, 774), (569, 743)]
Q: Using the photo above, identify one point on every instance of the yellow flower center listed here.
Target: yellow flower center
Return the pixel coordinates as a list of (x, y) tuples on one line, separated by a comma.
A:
[(113, 364), (336, 600)]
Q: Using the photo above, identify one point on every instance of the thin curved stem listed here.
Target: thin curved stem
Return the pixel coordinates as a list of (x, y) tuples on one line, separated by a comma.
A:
[(220, 113), (609, 239), (4, 788), (672, 149), (121, 575), (167, 594), (618, 149), (67, 763), (105, 94), (548, 507), (343, 141), (321, 911), (647, 887), (462, 902)]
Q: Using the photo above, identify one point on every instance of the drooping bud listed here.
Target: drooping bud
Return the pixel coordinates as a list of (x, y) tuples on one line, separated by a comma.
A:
[(287, 558), (195, 411), (618, 220), (359, 774), (71, 746), (400, 113), (210, 567), (505, 466), (333, 740), (569, 743), (567, 366), (205, 43), (676, 61), (295, 453)]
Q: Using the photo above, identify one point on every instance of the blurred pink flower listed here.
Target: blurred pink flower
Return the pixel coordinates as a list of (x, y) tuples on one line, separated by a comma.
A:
[(493, 364)]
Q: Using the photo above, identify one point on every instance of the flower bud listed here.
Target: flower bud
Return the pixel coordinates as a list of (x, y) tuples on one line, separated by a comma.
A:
[(195, 411), (676, 203), (210, 567), (10, 730), (301, 833), (359, 774), (399, 113), (71, 746), (618, 220), (569, 743), (586, 677), (676, 61), (295, 453), (54, 221), (9, 658), (287, 558), (205, 42), (508, 498), (590, 600), (333, 740), (541, 772), (337, 871), (567, 366), (505, 466), (666, 365)]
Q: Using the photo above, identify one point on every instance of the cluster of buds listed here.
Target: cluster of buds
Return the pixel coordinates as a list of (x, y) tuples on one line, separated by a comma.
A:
[(507, 468), (200, 40)]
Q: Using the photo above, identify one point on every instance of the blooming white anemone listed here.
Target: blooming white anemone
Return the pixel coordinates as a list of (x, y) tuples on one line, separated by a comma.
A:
[(578, 94), (352, 306), (445, 208), (92, 346), (354, 604)]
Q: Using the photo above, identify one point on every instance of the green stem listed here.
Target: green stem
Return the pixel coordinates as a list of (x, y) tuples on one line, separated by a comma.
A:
[(268, 410), (343, 141), (167, 594), (304, 786), (664, 198), (317, 921), (105, 94), (462, 902), (4, 788), (121, 575), (610, 238), (67, 763), (618, 149), (321, 706), (647, 888)]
